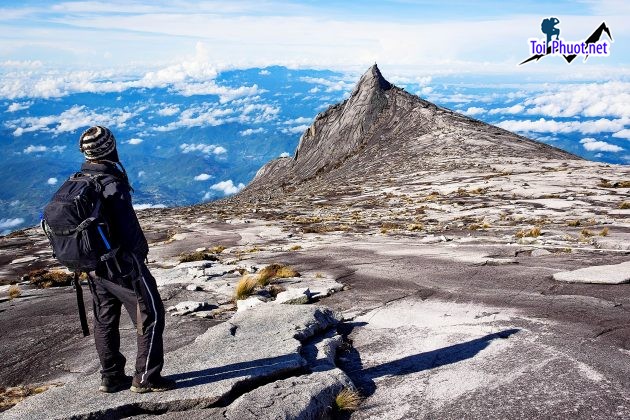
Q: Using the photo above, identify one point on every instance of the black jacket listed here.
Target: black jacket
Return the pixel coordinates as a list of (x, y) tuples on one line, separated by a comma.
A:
[(122, 220)]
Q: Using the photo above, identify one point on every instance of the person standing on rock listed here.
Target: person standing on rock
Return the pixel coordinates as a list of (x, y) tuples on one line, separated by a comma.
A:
[(125, 281)]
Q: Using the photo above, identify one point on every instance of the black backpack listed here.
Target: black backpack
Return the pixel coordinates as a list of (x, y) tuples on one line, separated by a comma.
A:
[(75, 226)]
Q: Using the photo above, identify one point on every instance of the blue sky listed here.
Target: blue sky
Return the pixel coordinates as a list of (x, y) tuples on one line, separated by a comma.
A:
[(479, 37)]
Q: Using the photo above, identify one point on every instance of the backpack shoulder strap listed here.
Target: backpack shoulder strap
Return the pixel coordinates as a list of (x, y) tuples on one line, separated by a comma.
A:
[(101, 180)]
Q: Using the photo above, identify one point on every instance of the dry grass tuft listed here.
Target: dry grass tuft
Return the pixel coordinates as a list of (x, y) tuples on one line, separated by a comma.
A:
[(625, 205), (13, 395), (325, 228), (432, 196), (604, 232), (586, 233), (295, 248), (604, 183), (217, 249), (254, 249), (618, 184), (347, 400), (44, 279), (14, 292), (197, 256), (574, 223), (245, 287), (387, 226), (531, 233), (275, 271), (415, 227)]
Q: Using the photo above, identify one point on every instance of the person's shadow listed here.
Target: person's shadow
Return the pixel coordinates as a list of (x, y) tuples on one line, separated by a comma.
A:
[(351, 363), (270, 366), (363, 378)]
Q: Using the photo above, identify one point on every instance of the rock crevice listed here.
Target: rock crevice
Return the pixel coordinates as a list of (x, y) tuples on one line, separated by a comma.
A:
[(234, 368)]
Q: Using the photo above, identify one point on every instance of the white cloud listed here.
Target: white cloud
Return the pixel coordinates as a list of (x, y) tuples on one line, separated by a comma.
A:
[(259, 113), (168, 111), (515, 109), (35, 149), (284, 154), (592, 145), (623, 134), (194, 76), (52, 181), (200, 116), (203, 177), (141, 174), (406, 80), (206, 149), (197, 68), (299, 120), (552, 126), (21, 64), (227, 187), (250, 131), (330, 85), (587, 100), (313, 90), (473, 110), (135, 141), (296, 129), (148, 206), (264, 72), (225, 94), (68, 121), (16, 106), (7, 223)]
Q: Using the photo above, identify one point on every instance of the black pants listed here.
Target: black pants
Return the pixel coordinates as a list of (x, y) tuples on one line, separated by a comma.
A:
[(142, 301)]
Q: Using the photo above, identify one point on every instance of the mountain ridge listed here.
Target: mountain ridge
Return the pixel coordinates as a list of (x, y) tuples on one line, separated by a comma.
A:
[(379, 117)]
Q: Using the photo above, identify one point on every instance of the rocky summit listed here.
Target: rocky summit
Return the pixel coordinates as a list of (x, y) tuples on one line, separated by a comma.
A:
[(407, 262), (381, 130)]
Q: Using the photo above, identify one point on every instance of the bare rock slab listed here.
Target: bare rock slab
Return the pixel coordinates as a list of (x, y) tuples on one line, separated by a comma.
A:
[(540, 252), (261, 345), (187, 307), (599, 274), (303, 397), (294, 296), (250, 302)]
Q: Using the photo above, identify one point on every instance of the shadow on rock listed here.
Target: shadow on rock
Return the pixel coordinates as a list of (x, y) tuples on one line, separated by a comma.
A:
[(364, 378), (253, 368)]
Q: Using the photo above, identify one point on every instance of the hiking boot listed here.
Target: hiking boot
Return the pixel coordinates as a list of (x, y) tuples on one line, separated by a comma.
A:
[(157, 385), (117, 383)]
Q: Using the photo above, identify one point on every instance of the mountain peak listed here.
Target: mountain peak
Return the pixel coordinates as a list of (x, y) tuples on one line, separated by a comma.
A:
[(373, 79), (380, 127)]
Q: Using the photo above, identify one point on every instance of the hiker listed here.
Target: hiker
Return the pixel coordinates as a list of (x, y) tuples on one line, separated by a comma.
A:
[(123, 280)]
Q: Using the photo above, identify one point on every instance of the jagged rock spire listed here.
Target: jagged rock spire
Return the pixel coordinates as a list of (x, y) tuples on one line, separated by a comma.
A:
[(372, 79), (340, 131)]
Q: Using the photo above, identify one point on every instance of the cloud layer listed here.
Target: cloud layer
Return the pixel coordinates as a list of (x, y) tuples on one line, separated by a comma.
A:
[(227, 187)]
